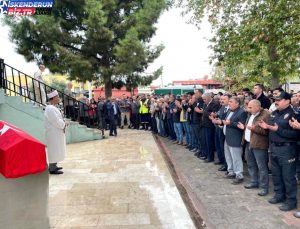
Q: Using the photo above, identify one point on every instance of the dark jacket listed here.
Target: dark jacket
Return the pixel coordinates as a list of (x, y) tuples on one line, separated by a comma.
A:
[(264, 101), (212, 107), (234, 135), (259, 137), (197, 117), (110, 111), (189, 115), (135, 107), (285, 132), (222, 113), (176, 115), (101, 115), (170, 107)]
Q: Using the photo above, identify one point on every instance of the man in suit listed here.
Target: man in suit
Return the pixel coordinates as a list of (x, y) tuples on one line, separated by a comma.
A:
[(208, 127), (233, 139), (113, 113), (219, 135)]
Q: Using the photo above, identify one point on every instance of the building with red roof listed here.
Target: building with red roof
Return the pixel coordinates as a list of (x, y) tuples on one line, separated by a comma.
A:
[(205, 83)]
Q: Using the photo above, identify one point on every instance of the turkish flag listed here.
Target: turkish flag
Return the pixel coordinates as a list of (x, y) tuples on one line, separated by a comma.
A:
[(20, 153)]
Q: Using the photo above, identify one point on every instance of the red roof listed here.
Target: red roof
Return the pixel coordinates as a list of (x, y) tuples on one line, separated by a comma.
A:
[(197, 82), (100, 91)]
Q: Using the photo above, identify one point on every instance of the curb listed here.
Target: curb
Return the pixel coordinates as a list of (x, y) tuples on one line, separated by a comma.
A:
[(193, 203)]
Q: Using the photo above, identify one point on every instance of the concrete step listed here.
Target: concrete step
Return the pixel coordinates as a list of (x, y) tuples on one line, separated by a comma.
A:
[(30, 118)]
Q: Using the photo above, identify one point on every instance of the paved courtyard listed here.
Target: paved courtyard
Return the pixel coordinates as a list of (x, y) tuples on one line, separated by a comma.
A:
[(120, 182), (221, 204)]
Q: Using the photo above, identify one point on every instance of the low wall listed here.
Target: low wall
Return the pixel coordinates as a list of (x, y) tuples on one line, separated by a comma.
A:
[(24, 202)]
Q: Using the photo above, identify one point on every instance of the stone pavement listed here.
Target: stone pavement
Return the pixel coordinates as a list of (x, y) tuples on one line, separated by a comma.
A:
[(120, 182), (221, 204)]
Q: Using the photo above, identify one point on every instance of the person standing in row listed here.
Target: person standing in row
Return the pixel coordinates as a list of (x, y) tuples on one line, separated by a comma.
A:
[(233, 140), (55, 134), (257, 144), (283, 140), (208, 128)]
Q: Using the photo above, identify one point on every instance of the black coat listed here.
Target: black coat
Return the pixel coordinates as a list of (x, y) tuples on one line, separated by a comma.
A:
[(264, 101), (212, 107), (101, 115), (197, 117)]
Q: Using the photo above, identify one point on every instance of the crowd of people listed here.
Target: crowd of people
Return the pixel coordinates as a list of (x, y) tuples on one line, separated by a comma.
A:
[(261, 129)]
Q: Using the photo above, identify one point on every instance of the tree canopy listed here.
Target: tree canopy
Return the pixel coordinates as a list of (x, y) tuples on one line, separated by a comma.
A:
[(254, 40), (105, 40)]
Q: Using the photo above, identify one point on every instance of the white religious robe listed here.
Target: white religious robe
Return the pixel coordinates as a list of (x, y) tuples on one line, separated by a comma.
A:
[(55, 136), (40, 94)]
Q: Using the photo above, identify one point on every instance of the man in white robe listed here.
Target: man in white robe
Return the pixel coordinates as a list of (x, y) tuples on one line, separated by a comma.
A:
[(39, 89), (55, 134)]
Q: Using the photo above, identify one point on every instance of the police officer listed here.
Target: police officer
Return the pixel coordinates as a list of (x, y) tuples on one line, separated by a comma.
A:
[(283, 152)]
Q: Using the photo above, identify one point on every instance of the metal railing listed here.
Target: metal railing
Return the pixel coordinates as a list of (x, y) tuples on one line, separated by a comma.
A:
[(17, 83)]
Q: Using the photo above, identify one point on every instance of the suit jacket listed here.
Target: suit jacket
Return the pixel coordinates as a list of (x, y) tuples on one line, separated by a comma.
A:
[(212, 107), (233, 134), (222, 113), (110, 111)]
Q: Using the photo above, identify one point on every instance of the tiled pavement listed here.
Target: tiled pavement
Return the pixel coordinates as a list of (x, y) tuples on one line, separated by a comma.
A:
[(120, 182), (221, 204)]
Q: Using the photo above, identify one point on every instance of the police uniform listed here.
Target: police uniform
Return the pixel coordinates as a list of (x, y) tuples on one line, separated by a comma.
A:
[(283, 157)]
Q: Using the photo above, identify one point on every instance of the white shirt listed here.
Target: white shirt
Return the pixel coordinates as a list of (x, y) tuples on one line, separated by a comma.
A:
[(226, 109), (247, 131), (115, 109), (228, 117), (272, 107)]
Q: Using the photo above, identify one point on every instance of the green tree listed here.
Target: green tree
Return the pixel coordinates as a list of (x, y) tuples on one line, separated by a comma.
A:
[(58, 84), (255, 41), (101, 40)]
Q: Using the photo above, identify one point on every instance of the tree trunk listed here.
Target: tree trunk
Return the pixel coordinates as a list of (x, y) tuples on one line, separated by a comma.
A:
[(108, 87), (274, 68)]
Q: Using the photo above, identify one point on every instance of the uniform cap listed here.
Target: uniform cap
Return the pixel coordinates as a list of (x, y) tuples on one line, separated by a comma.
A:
[(283, 95)]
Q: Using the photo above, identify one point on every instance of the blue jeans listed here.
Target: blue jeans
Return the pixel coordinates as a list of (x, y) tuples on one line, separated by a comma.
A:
[(187, 130), (178, 131), (162, 127), (172, 134)]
